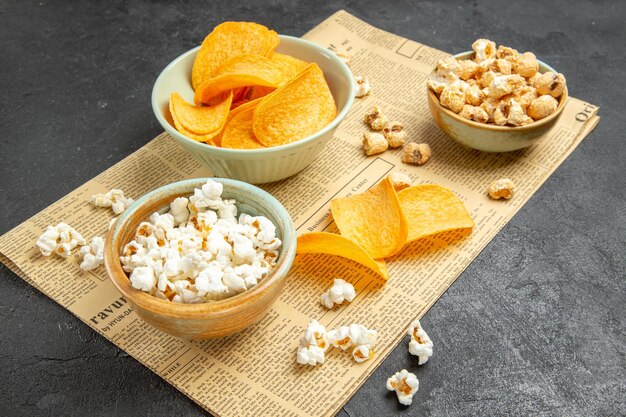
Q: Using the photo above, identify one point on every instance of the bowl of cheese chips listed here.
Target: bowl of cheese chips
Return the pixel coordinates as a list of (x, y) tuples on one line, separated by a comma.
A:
[(253, 105)]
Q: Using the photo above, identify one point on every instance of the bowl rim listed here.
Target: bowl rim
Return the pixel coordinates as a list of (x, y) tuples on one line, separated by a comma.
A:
[(233, 152), (200, 310), (536, 124)]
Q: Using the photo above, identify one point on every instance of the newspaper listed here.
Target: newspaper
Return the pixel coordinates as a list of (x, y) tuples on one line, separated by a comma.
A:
[(255, 371)]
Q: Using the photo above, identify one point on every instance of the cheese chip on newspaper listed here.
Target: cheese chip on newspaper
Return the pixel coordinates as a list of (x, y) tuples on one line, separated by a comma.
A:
[(240, 71), (301, 107), (333, 244), (238, 132), (432, 209), (228, 40), (373, 219)]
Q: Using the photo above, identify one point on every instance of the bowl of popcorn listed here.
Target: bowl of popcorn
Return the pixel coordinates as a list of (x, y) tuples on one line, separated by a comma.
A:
[(201, 258), (495, 99), (253, 105)]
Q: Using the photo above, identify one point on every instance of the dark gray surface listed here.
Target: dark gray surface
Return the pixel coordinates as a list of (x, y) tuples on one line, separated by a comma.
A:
[(534, 326)]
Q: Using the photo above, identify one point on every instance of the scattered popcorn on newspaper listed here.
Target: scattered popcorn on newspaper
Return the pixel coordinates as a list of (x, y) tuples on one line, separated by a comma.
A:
[(313, 345), (340, 291), (93, 254), (60, 239), (114, 199)]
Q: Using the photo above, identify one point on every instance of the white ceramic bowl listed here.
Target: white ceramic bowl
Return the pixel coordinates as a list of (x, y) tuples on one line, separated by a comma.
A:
[(257, 166)]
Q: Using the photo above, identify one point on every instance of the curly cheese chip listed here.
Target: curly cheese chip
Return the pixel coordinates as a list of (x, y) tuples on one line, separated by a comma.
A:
[(337, 245), (238, 132), (209, 120), (240, 71), (200, 120), (373, 219), (289, 65), (228, 40), (431, 209), (301, 107)]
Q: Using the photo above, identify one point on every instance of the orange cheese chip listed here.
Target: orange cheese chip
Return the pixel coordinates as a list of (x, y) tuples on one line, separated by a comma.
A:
[(238, 132), (289, 65), (243, 106), (240, 71), (301, 107), (373, 219), (228, 40), (201, 120), (333, 244), (259, 92), (431, 209)]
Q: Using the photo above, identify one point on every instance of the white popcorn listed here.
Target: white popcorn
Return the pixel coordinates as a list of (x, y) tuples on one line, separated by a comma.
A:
[(208, 197), (405, 384), (311, 355), (93, 254), (313, 345), (340, 291), (213, 190), (353, 335), (162, 221), (420, 344), (210, 282), (362, 85), (243, 250), (362, 353), (60, 239), (199, 251), (340, 338), (143, 278), (114, 199), (235, 282), (179, 210), (227, 210)]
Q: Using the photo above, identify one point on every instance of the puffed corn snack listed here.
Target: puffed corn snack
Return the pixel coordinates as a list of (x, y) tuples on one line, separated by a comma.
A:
[(60, 239), (93, 254), (363, 87), (502, 188), (114, 199), (374, 143), (416, 153), (316, 341), (498, 86), (400, 181), (340, 291), (313, 345), (357, 336), (420, 344), (376, 119), (405, 384)]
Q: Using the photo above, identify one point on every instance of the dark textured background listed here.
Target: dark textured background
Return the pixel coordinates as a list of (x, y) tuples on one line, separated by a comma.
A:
[(536, 325)]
